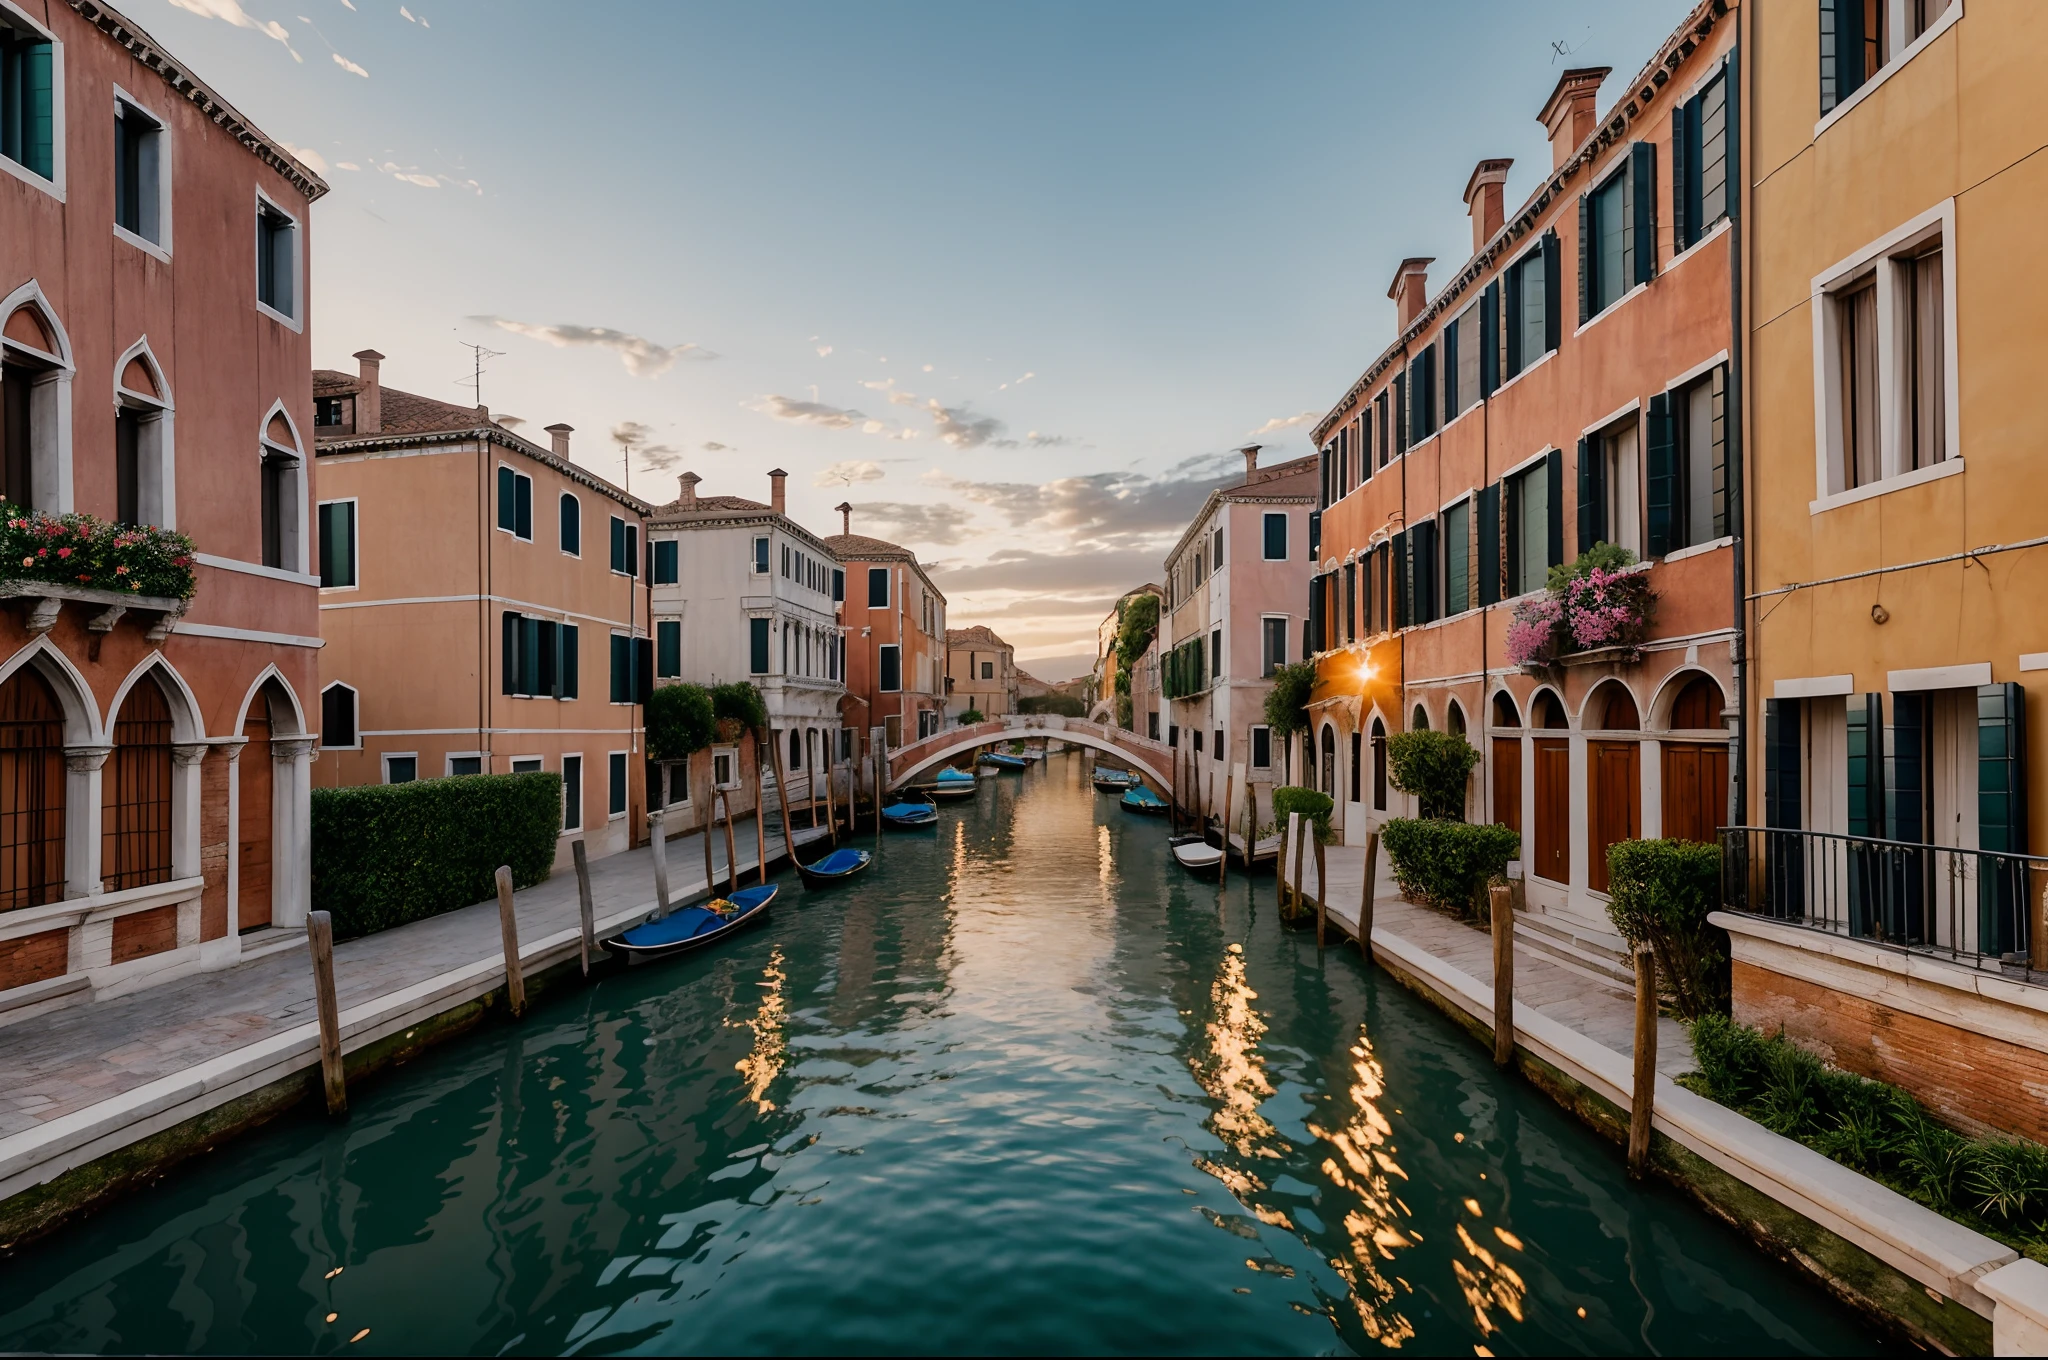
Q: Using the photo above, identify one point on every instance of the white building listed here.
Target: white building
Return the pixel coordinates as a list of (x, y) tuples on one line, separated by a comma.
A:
[(742, 592)]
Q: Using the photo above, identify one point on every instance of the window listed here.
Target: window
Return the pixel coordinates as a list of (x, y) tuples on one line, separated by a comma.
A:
[(401, 769), (465, 765), (1686, 464), (1276, 536), (527, 764), (1617, 233), (1422, 395), (838, 585), (1610, 485), (1699, 163), (615, 771), (539, 657), (666, 570), (1924, 360), (572, 793), (338, 718), (135, 793), (1216, 548), (757, 646), (668, 649), (572, 525), (1262, 748), (1529, 520), (878, 587), (760, 557), (327, 413), (1357, 744), (337, 544), (1274, 654), (515, 503), (722, 766), (1856, 328), (138, 183), (28, 109), (632, 669), (1857, 40), (1216, 654), (1457, 522), (1464, 341), (988, 670), (277, 261), (279, 482), (1379, 766), (1152, 724), (891, 667), (625, 547), (1530, 328)]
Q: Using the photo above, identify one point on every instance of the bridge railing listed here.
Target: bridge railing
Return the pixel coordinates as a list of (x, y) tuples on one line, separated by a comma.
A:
[(1153, 755)]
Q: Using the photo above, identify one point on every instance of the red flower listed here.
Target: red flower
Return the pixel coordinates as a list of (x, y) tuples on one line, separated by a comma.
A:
[(63, 552)]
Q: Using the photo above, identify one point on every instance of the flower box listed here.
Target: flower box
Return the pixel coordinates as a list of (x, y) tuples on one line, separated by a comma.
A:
[(46, 600)]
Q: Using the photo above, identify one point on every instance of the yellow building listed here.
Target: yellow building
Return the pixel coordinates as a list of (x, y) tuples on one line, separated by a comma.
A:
[(1893, 298)]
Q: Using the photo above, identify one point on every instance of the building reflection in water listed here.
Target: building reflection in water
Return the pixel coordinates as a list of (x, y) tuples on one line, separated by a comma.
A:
[(764, 1062)]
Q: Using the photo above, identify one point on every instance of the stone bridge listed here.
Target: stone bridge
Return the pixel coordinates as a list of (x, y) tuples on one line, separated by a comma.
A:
[(1152, 759)]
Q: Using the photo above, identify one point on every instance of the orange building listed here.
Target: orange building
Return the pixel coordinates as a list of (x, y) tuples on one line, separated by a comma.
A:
[(895, 622), (483, 605), (1568, 386), (154, 370)]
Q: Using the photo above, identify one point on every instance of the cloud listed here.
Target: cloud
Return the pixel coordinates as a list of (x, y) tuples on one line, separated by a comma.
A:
[(642, 357), (801, 412), (1046, 441), (824, 351), (408, 176), (1104, 573), (1285, 423), (231, 11), (939, 525), (307, 157), (713, 446), (1104, 509), (345, 64), (847, 473), (637, 439), (346, 165), (962, 429)]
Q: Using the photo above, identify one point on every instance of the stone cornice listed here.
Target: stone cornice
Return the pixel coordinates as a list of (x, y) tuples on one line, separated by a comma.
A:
[(376, 443)]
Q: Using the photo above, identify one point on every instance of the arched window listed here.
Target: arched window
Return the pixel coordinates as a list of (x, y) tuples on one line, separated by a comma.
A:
[(1379, 765), (1698, 705), (796, 749), (1419, 720), (1454, 720), (1505, 714), (144, 475), (338, 718), (1613, 709), (135, 792), (1329, 760), (1549, 712), (572, 525), (281, 480), (31, 792), (35, 374)]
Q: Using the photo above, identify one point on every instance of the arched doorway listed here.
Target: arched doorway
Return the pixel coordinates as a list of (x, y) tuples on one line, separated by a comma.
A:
[(1379, 765), (1551, 783), (31, 792), (1329, 766), (255, 816), (1695, 773), (1614, 779), (1507, 762)]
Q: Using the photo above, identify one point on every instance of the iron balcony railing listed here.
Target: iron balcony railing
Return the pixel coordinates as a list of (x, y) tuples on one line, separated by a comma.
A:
[(1985, 909)]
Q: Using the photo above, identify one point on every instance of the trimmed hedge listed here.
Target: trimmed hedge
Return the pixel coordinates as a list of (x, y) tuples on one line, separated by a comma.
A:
[(1313, 807), (1447, 865), (1435, 767), (386, 854), (1660, 894)]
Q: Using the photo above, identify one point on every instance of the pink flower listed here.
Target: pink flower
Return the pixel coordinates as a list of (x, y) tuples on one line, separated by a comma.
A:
[(28, 561), (63, 552)]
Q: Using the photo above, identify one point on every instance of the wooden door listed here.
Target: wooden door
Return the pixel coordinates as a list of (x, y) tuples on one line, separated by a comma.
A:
[(253, 900), (1553, 810), (1614, 811), (1695, 790), (1507, 782)]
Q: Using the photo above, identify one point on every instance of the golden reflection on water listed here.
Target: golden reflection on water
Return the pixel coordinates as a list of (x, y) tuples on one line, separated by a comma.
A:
[(1228, 1066), (1488, 1282), (1105, 860), (764, 1063), (1364, 1167)]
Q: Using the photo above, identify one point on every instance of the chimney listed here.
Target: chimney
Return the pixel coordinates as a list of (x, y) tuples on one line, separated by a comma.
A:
[(1571, 111), (1485, 194), (1410, 290), (689, 481), (777, 501), (1251, 459), (369, 393), (845, 517), (559, 435)]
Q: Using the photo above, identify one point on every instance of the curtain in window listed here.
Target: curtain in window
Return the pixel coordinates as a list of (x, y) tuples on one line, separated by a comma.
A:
[(1860, 464), (1929, 414)]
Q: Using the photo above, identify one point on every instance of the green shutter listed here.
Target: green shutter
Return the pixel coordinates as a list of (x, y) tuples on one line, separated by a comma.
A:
[(1585, 258), (1489, 544), (508, 498), (565, 670), (1592, 497), (523, 503), (1717, 397), (1553, 294), (1660, 465), (2003, 887), (1905, 805), (1399, 586), (1784, 856), (1866, 765), (1489, 339), (1511, 301), (1682, 166), (1555, 477), (1450, 371), (39, 131), (529, 656), (1642, 193), (508, 662)]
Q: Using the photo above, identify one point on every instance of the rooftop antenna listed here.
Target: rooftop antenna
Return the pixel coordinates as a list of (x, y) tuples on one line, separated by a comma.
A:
[(625, 443), (478, 353)]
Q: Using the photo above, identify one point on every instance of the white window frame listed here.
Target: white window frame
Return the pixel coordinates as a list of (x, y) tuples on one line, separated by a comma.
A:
[(482, 758), (517, 477), (50, 401), (1895, 28), (355, 546), (156, 443), (292, 322), (1284, 518), (572, 814), (890, 578), (731, 755), (1880, 258), (879, 649), (568, 496), (622, 813), (1252, 746), (298, 552), (1286, 631), (357, 703), (540, 764), (54, 185), (384, 764), (161, 249)]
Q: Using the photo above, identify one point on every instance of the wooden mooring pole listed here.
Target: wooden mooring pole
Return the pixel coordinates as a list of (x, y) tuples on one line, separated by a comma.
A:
[(1322, 889), (1298, 850), (1223, 875), (658, 841), (1366, 893), (1643, 1102), (1503, 913), (710, 806), (732, 854), (781, 797), (320, 938), (587, 938), (508, 931), (761, 816)]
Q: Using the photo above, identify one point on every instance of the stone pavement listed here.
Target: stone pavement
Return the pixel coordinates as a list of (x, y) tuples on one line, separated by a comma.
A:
[(1603, 1014), (62, 1061)]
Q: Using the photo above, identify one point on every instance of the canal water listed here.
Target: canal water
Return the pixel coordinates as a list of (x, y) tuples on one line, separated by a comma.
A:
[(1027, 1088)]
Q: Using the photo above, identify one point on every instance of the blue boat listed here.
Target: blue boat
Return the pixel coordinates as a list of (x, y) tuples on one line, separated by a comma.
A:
[(910, 816), (953, 783), (694, 927), (834, 868), (1141, 799), (1001, 761), (1113, 781)]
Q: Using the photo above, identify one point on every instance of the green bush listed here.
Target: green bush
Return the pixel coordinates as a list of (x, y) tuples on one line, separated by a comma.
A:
[(972, 716), (1063, 705), (1314, 807), (1287, 701), (1605, 556), (1433, 766), (739, 702), (1659, 894), (386, 854), (680, 719), (82, 550), (1447, 865), (1996, 1185)]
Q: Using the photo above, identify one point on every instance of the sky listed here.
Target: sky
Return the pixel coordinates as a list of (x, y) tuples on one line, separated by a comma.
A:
[(1014, 280)]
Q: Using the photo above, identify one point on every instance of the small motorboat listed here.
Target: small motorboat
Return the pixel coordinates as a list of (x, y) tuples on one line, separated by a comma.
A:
[(910, 816), (1197, 856), (1002, 761), (1138, 798), (835, 868), (694, 927), (1113, 781), (953, 783)]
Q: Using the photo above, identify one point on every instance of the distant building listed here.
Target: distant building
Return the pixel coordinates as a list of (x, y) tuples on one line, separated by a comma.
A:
[(981, 673), (154, 370), (1136, 708), (482, 605), (743, 592), (895, 637)]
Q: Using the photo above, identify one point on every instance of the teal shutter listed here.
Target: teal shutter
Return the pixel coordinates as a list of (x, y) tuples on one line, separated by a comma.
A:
[(1489, 544), (1450, 370), (1784, 855), (1592, 496), (1555, 475), (39, 112), (1398, 586), (1489, 339), (2002, 885), (529, 656), (1585, 258), (1660, 467), (565, 670), (1422, 547), (1642, 194), (1905, 804), (522, 496), (508, 499), (1683, 163), (549, 650), (1553, 295), (1866, 808), (1717, 396), (508, 661), (1512, 301)]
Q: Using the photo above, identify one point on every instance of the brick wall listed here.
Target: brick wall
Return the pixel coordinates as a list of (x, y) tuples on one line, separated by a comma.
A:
[(33, 958), (1979, 1083), (213, 845)]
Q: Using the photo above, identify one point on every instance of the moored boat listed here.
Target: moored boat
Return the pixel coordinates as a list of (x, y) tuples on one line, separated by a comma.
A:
[(694, 927), (1002, 761), (1140, 799), (835, 868), (910, 816), (1108, 780), (1197, 856), (953, 783)]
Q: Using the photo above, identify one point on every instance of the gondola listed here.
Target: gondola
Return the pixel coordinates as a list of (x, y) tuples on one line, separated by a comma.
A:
[(1001, 761), (1113, 781), (694, 927), (953, 783), (1197, 856), (835, 868), (910, 816), (1140, 799)]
